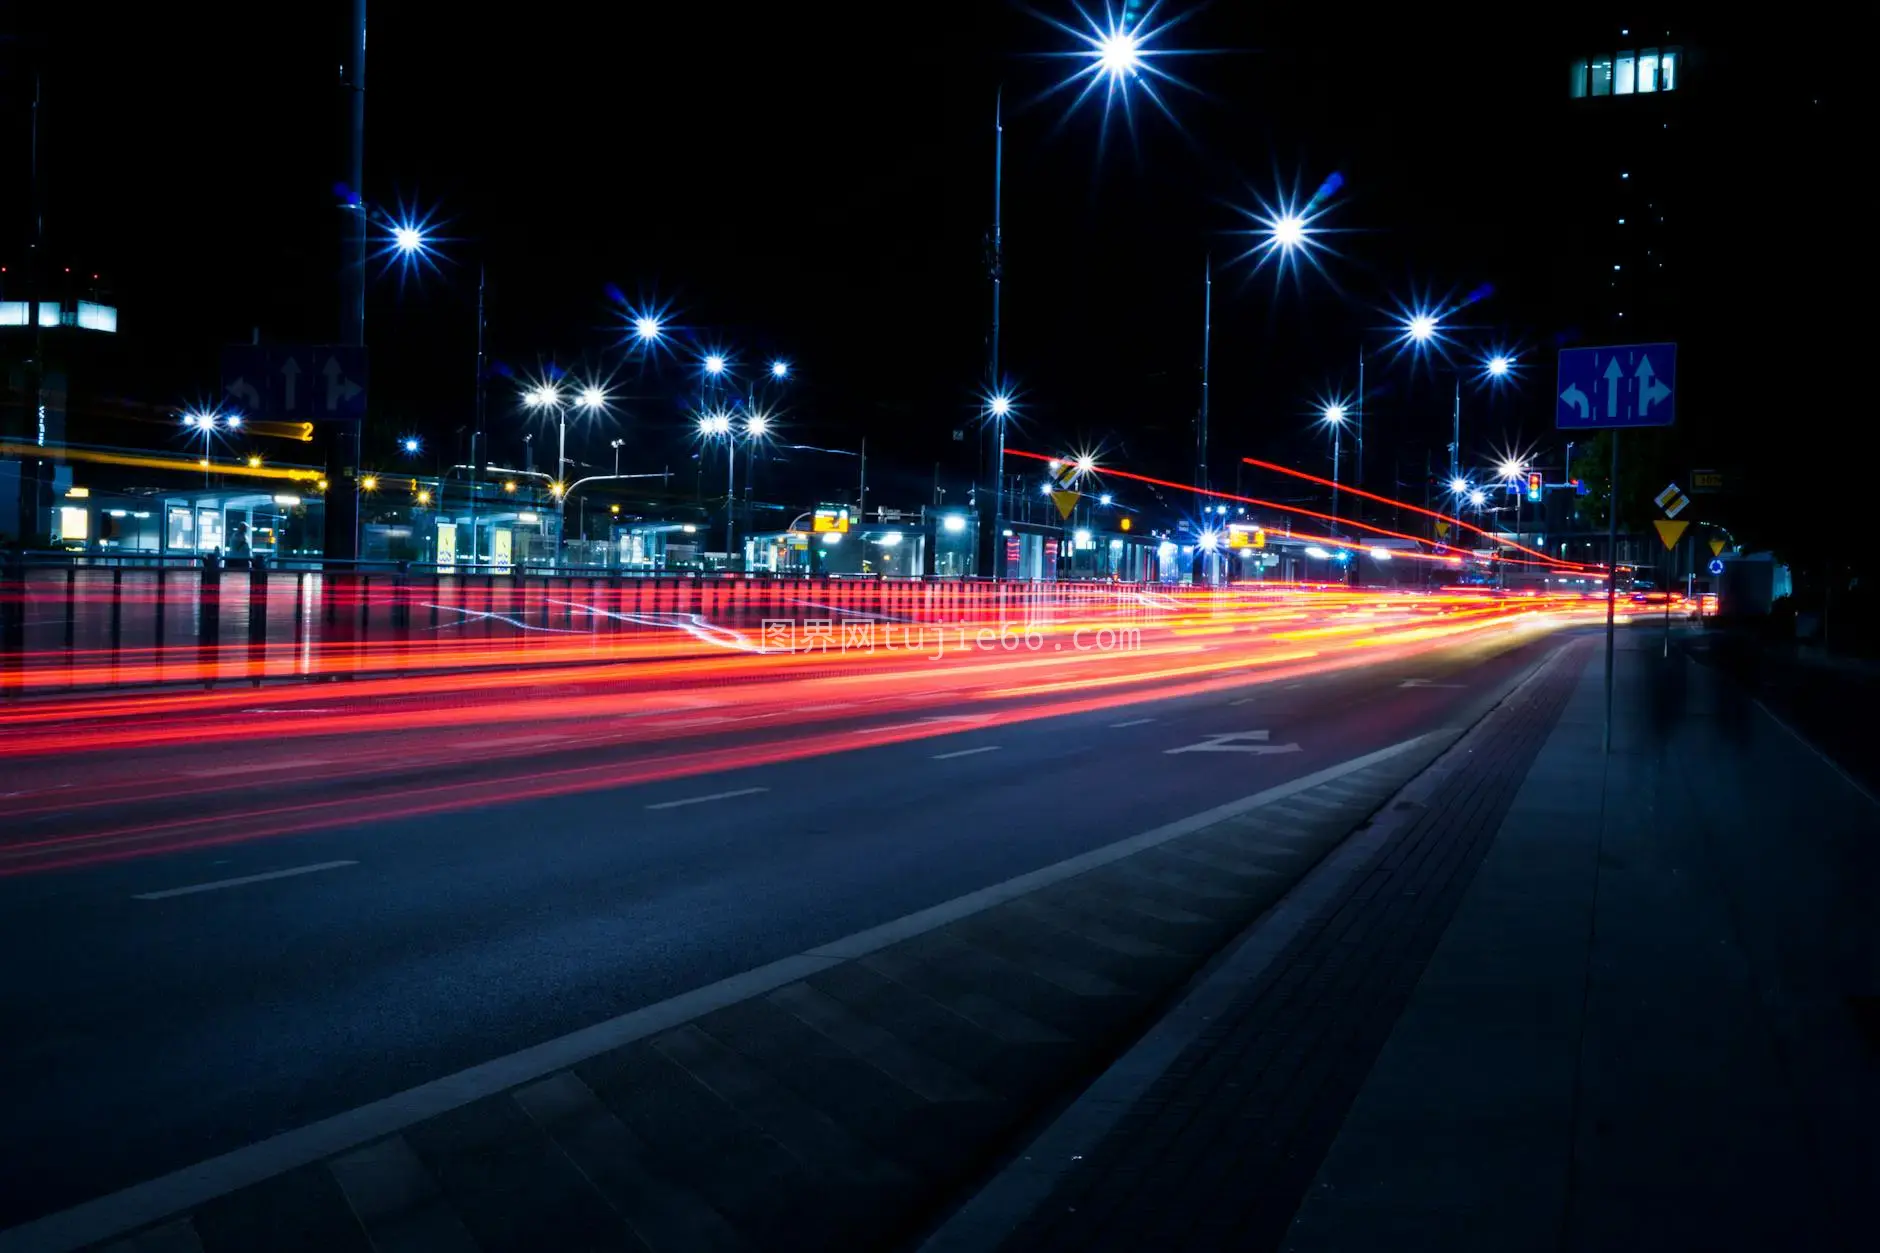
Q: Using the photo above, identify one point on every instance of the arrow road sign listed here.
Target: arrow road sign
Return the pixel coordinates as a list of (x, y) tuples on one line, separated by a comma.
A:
[(1623, 386), (282, 381)]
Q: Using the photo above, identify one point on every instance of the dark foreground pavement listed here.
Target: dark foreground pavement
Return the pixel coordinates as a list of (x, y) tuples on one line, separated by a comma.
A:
[(1567, 1001)]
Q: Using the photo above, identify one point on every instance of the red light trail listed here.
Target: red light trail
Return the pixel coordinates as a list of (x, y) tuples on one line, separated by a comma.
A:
[(103, 777)]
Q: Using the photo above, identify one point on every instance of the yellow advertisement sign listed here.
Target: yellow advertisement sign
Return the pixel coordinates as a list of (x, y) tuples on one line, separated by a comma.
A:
[(446, 543), (830, 521), (502, 548)]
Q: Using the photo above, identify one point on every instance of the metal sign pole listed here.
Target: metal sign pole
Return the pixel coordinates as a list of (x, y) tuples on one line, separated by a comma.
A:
[(1612, 579)]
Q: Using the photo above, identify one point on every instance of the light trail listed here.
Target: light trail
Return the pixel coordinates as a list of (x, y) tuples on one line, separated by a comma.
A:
[(1404, 504), (143, 773), (1333, 541)]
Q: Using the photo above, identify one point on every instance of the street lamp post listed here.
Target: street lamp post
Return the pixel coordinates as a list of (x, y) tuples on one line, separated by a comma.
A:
[(1335, 418)]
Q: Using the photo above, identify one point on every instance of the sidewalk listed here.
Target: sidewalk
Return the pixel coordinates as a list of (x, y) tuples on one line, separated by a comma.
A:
[(1635, 1012)]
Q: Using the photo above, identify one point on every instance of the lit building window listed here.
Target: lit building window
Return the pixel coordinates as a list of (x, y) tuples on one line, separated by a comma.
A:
[(1627, 73), (1648, 70)]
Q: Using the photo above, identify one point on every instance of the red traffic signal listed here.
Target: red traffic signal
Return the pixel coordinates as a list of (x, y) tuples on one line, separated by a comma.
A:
[(1534, 485)]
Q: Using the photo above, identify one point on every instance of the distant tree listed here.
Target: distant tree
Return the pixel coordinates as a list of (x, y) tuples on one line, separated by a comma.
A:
[(1642, 475)]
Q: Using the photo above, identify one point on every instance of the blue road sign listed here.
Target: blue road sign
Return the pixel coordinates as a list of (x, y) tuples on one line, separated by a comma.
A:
[(1716, 565), (317, 381), (1613, 388)]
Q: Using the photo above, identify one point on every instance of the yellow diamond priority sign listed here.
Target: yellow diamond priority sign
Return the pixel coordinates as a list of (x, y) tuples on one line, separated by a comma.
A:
[(1670, 532)]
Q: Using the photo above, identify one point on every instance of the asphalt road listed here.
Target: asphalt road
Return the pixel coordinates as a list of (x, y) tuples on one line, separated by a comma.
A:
[(146, 1028)]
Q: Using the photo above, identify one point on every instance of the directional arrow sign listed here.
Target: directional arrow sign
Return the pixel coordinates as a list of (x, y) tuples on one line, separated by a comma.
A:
[(244, 394), (340, 390), (1235, 742), (1670, 532), (1622, 386), (280, 382)]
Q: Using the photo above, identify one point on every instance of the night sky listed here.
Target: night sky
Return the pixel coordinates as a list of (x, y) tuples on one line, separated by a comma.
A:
[(816, 182)]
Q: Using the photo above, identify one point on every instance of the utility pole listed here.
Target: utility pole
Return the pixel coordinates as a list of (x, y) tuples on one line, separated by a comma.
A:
[(342, 438), (476, 432), (1207, 341), (994, 545)]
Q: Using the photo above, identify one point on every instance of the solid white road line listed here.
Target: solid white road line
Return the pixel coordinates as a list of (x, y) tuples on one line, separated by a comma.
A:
[(1133, 722), (710, 796), (966, 752), (218, 884), (107, 1216)]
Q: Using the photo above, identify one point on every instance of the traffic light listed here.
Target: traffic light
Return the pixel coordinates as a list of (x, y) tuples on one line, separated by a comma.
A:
[(1534, 485)]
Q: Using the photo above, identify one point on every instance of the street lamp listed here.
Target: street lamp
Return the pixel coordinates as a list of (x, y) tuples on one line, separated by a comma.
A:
[(647, 328), (999, 405), (780, 369), (1334, 417), (715, 364), (718, 425)]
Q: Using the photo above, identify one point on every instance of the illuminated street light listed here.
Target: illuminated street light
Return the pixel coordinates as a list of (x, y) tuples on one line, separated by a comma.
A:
[(1118, 52), (411, 445), (408, 239), (1478, 498), (254, 461), (757, 425), (715, 364), (369, 483), (647, 328), (1086, 464), (1290, 231), (1104, 499), (1498, 367), (1458, 485), (1420, 327), (424, 497), (592, 398), (234, 421), (1511, 468), (711, 424), (1334, 413), (780, 369)]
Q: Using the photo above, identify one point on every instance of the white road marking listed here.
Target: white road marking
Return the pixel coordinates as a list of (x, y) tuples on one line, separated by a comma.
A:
[(95, 1221), (710, 721), (966, 752), (1236, 742), (1426, 683), (710, 796), (257, 767), (925, 724), (218, 884), (818, 709), (1245, 700), (1133, 722), (513, 741)]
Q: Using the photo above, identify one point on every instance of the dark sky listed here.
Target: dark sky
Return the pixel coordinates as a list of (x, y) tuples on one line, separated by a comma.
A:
[(816, 181)]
